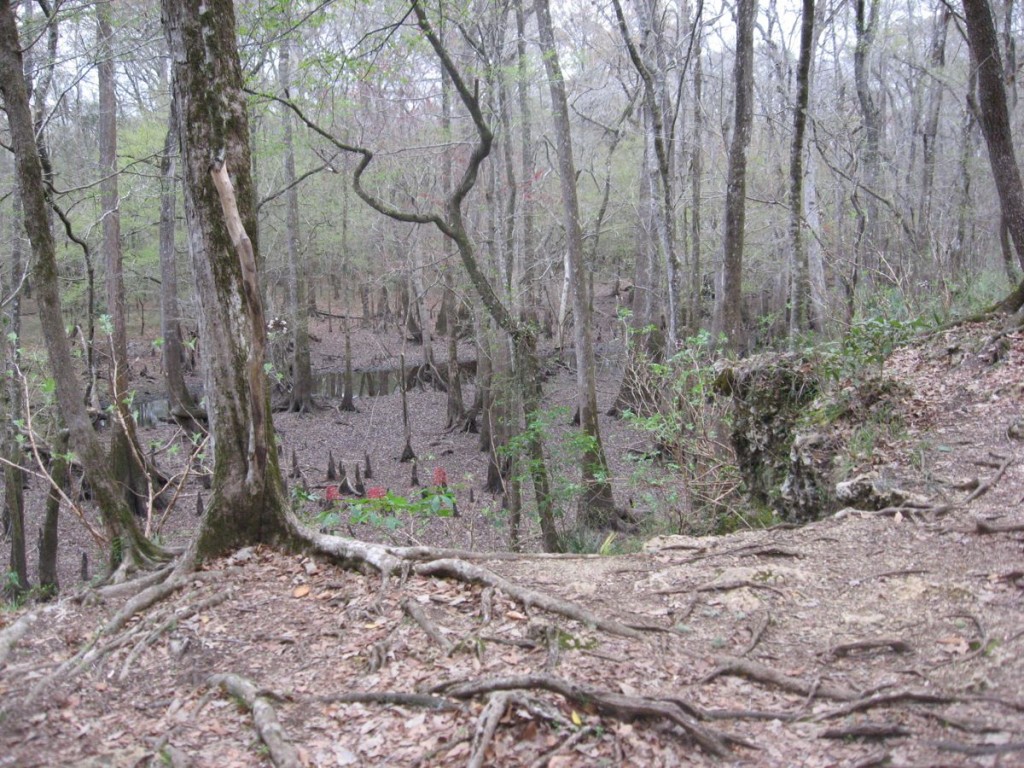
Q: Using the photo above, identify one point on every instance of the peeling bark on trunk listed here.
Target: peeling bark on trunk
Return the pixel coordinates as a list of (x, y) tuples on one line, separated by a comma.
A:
[(249, 503)]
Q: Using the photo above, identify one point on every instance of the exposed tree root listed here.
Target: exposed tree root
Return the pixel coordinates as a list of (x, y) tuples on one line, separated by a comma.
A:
[(984, 527), (613, 704), (529, 597), (987, 485), (486, 725), (978, 750), (573, 739), (747, 550), (884, 699), (844, 649), (752, 670), (755, 633), (264, 717), (867, 730), (390, 698), (168, 624), (10, 636), (433, 632), (721, 586)]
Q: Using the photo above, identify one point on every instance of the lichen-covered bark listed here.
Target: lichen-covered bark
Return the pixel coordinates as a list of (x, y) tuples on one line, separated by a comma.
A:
[(248, 503)]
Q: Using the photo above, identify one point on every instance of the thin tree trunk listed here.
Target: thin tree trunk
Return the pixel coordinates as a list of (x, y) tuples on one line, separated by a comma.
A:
[(597, 504), (731, 300), (527, 249), (183, 405), (930, 129), (13, 405), (49, 581), (868, 224), (302, 373), (696, 172), (800, 302)]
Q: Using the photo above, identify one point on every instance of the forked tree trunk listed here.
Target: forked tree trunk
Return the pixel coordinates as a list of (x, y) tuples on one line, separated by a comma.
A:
[(129, 546), (249, 503)]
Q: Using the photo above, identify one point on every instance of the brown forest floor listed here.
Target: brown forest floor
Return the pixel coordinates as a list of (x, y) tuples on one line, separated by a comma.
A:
[(863, 639)]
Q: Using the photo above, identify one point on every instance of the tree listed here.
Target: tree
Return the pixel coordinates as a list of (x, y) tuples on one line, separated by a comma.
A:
[(183, 406), (302, 373), (248, 502), (801, 290), (730, 302), (597, 505), (126, 457), (129, 547), (994, 116)]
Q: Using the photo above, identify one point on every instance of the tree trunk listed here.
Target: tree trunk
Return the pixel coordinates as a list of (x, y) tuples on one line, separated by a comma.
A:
[(597, 505), (868, 225), (930, 129), (994, 116), (801, 297), (302, 372), (455, 403), (660, 135), (48, 575), (126, 457), (527, 255), (129, 547), (183, 406), (696, 172), (248, 503), (13, 405), (730, 300)]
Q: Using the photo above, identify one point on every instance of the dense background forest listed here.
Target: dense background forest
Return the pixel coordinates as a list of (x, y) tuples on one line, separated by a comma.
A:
[(344, 344), (706, 178), (898, 211)]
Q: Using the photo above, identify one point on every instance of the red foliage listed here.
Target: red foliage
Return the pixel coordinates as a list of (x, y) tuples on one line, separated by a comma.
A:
[(333, 494), (440, 477), (376, 492)]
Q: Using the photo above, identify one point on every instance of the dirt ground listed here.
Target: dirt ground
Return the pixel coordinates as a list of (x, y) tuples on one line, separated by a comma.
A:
[(890, 638)]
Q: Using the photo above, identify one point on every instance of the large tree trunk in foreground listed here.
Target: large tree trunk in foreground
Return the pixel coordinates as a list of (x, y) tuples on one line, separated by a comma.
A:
[(129, 546), (248, 503), (994, 115)]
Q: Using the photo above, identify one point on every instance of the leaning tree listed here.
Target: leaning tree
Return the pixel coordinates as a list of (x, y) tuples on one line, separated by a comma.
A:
[(129, 547)]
